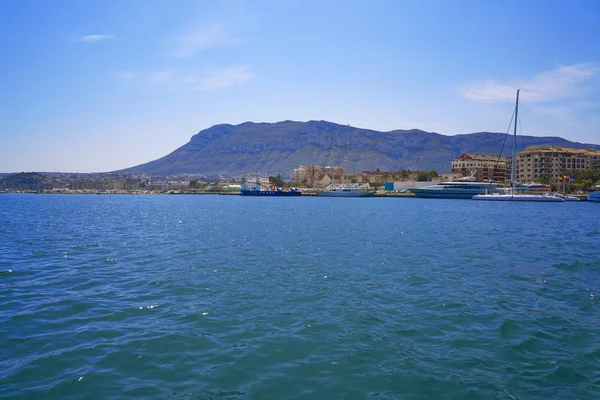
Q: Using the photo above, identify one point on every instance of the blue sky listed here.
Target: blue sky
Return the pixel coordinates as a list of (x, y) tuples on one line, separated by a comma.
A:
[(95, 86)]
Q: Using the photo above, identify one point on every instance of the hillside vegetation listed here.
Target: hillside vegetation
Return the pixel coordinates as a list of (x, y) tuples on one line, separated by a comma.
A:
[(282, 146)]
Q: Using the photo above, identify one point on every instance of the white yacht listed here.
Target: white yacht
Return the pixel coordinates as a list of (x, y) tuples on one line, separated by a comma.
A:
[(342, 190), (461, 189)]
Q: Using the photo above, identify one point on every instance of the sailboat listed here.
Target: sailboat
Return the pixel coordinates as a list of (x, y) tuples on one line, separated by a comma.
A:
[(512, 196), (345, 189)]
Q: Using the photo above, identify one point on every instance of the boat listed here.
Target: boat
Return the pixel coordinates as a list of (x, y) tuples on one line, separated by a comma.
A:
[(568, 197), (595, 195), (262, 187), (345, 190), (512, 195), (463, 188)]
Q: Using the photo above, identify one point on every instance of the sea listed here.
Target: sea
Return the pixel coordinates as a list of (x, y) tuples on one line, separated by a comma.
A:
[(230, 297)]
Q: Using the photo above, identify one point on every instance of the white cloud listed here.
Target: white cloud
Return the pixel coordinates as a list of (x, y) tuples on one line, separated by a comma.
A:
[(214, 35), (222, 78), (548, 86), (94, 38)]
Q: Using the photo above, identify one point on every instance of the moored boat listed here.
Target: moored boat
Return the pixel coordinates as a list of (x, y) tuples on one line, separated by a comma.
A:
[(569, 197), (342, 190), (547, 197), (595, 196), (461, 189), (260, 188)]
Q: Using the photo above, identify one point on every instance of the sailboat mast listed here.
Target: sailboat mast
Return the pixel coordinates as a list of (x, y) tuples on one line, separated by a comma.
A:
[(514, 152), (347, 155)]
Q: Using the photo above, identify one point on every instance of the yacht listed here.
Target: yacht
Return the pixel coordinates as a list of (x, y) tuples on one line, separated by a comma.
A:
[(343, 190), (461, 189)]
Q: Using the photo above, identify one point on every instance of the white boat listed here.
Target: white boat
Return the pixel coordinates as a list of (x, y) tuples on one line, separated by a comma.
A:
[(568, 197), (346, 190), (342, 190), (595, 196), (548, 197), (512, 196)]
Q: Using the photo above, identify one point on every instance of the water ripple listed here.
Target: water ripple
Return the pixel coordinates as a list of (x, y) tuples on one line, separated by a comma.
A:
[(222, 297)]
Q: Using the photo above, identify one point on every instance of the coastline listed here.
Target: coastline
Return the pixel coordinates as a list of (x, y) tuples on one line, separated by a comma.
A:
[(380, 194)]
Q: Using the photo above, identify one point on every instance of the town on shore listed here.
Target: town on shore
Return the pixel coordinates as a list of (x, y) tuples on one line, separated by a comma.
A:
[(559, 169)]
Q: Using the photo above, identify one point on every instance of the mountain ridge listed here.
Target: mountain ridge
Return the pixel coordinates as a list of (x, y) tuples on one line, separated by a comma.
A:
[(280, 147)]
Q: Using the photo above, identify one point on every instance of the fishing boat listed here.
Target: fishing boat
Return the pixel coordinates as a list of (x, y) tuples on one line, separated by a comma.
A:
[(262, 187), (512, 195)]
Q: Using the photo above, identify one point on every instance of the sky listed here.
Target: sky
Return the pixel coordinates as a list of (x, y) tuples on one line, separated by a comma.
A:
[(97, 86)]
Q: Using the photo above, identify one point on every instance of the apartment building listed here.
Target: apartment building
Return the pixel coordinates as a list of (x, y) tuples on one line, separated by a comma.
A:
[(309, 174), (486, 168), (554, 161)]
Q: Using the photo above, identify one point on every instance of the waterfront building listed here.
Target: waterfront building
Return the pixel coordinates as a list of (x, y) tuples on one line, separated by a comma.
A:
[(310, 174), (486, 168), (554, 161)]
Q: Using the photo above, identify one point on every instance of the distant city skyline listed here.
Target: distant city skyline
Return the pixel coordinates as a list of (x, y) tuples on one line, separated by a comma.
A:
[(97, 86)]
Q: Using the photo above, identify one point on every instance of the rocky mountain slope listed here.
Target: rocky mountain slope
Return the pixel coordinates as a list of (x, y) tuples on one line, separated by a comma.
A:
[(251, 148)]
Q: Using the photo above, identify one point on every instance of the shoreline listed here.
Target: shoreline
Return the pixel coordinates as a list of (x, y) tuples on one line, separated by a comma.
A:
[(581, 197)]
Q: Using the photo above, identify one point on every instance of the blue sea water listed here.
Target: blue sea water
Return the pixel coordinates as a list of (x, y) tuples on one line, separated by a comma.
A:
[(228, 297)]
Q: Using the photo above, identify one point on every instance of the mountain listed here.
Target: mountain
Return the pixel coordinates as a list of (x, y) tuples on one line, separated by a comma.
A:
[(26, 181), (251, 148)]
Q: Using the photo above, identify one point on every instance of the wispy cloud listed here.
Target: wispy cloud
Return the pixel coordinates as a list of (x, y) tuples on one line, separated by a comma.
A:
[(213, 35), (222, 78), (178, 80), (160, 76), (563, 114), (126, 75), (94, 38), (557, 84)]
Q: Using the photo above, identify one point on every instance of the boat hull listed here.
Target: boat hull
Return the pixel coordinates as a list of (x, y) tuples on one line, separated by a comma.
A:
[(518, 197), (594, 196), (432, 194), (270, 193), (345, 194)]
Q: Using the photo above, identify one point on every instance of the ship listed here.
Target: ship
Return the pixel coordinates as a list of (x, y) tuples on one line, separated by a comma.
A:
[(461, 189), (262, 187)]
